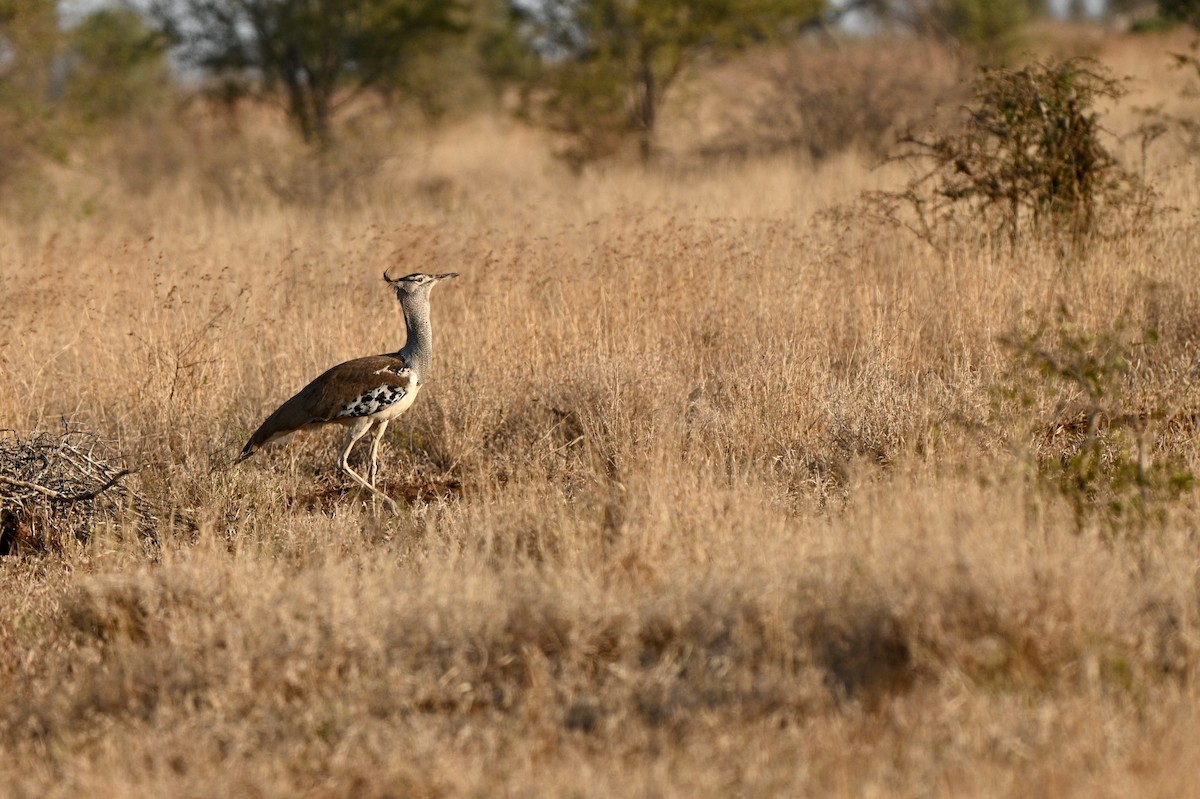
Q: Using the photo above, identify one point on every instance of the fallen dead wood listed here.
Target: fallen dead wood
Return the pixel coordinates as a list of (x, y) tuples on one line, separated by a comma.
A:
[(59, 487)]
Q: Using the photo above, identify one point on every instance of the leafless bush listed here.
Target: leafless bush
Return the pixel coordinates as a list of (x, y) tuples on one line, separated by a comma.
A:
[(821, 101)]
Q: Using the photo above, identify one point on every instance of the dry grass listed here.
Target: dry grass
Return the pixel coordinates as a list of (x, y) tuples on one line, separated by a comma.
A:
[(710, 495)]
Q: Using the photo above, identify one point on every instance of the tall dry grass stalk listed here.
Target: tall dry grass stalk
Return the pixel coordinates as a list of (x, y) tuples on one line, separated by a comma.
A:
[(710, 494)]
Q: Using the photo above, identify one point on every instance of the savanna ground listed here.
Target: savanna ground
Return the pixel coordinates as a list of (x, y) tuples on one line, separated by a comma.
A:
[(713, 492)]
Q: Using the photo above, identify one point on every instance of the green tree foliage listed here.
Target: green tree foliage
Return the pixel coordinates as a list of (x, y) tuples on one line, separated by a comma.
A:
[(1186, 11), (118, 65), (317, 52), (468, 66), (615, 61), (29, 44), (29, 41)]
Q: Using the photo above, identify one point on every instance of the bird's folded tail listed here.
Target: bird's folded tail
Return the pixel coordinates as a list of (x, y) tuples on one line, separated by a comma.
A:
[(261, 436), (264, 435)]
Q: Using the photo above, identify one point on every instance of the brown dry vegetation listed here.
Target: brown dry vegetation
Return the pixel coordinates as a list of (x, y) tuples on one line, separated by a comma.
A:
[(711, 494)]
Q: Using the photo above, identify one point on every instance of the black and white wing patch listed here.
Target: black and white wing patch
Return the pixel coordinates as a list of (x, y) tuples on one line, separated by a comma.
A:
[(372, 402), (394, 381)]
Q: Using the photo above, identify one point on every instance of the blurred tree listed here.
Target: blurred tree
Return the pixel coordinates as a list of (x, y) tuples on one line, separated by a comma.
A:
[(613, 62), (29, 45), (468, 66), (1187, 11), (118, 65), (320, 52)]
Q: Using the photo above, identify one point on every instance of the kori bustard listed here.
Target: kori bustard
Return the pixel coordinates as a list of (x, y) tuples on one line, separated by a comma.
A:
[(367, 393)]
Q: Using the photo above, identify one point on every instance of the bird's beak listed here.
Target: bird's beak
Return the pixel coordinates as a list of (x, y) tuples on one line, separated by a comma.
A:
[(394, 280)]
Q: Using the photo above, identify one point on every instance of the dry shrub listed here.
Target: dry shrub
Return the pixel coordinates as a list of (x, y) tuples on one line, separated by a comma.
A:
[(342, 175), (149, 153), (821, 100), (1030, 160), (1098, 449)]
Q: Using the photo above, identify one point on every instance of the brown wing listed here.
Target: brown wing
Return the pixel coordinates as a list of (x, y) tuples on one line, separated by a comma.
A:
[(341, 392)]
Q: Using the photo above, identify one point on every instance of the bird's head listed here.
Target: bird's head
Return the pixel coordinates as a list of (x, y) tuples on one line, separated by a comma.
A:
[(413, 285)]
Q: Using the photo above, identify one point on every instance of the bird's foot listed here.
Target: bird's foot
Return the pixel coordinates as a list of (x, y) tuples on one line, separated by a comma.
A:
[(391, 503)]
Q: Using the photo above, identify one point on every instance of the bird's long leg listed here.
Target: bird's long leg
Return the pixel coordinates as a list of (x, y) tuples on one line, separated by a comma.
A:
[(373, 469), (357, 431)]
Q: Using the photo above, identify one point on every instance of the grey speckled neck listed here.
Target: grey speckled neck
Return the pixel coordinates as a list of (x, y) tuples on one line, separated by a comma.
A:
[(418, 348)]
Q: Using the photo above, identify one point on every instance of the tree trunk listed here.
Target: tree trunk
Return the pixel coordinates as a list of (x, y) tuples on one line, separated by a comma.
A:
[(297, 101), (309, 106), (646, 107)]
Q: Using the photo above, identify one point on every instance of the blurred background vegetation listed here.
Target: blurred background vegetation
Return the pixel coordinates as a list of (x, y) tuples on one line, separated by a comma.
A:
[(143, 92)]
